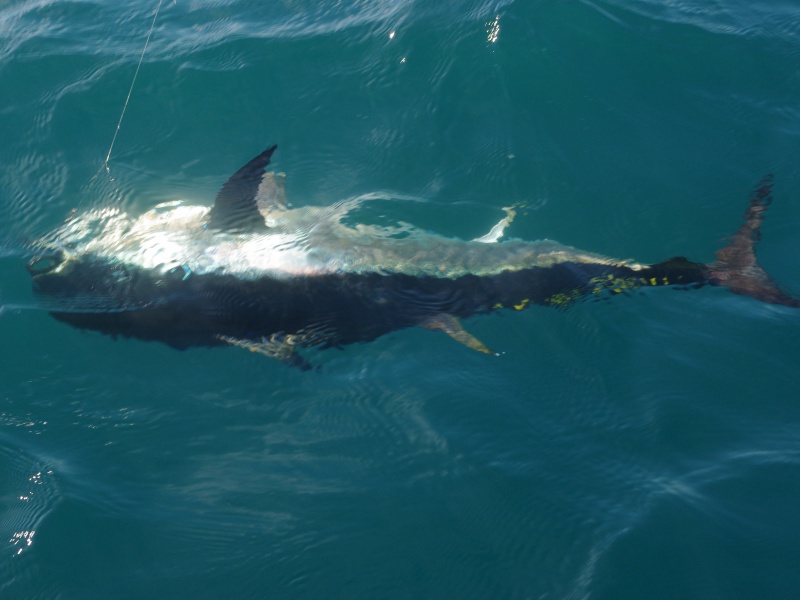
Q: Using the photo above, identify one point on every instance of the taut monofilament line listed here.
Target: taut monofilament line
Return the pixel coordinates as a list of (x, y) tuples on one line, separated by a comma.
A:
[(133, 82)]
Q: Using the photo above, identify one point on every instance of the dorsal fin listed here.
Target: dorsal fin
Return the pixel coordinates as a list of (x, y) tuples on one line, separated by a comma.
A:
[(236, 206)]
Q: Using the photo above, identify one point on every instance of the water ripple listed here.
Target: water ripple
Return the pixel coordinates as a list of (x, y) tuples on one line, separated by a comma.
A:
[(30, 492), (751, 19)]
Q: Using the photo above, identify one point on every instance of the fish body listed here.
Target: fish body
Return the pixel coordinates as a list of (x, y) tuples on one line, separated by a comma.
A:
[(252, 272)]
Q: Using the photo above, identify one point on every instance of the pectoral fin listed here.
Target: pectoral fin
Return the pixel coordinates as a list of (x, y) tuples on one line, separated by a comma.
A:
[(271, 195), (452, 327), (279, 346)]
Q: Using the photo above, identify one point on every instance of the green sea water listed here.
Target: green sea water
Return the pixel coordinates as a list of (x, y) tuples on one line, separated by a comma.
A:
[(646, 446)]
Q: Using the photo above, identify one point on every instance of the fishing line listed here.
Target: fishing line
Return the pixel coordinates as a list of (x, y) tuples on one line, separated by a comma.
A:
[(130, 91)]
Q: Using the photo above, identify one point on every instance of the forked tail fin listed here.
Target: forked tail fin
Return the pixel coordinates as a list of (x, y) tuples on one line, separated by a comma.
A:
[(736, 266)]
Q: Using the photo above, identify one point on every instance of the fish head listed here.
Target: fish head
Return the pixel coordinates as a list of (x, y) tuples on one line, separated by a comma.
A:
[(69, 273)]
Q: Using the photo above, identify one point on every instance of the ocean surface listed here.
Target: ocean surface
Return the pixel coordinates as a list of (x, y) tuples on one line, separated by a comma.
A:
[(645, 446)]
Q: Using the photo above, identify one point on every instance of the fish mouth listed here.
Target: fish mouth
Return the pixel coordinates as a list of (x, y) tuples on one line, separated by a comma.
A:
[(46, 263)]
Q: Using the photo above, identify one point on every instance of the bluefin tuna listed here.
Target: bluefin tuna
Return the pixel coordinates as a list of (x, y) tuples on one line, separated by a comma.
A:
[(252, 272)]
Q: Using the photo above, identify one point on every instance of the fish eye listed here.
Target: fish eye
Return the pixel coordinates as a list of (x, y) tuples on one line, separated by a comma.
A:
[(45, 263)]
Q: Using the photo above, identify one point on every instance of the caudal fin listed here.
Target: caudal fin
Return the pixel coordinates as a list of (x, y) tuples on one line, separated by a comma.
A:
[(736, 266)]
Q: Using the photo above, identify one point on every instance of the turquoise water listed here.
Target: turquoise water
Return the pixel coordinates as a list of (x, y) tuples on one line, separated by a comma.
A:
[(647, 446)]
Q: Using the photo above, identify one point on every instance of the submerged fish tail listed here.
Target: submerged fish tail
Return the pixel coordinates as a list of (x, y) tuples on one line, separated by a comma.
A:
[(737, 267)]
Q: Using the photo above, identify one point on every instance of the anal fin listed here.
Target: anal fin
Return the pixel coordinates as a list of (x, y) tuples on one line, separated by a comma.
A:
[(452, 327)]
